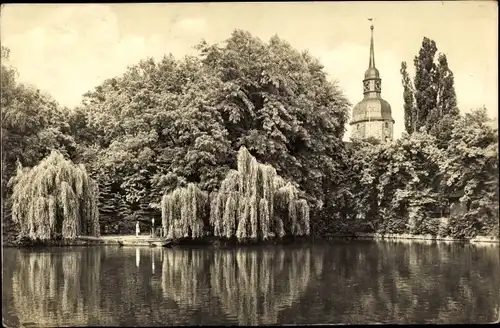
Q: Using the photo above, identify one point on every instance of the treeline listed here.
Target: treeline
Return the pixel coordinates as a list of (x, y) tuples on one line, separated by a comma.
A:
[(408, 186), (169, 124), (252, 203), (441, 177)]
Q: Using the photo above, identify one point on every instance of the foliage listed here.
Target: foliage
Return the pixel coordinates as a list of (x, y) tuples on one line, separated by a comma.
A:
[(278, 103), (431, 97), (252, 203), (470, 164), (33, 125), (255, 203), (163, 125), (54, 198), (183, 212), (157, 130), (398, 187), (174, 127), (396, 184)]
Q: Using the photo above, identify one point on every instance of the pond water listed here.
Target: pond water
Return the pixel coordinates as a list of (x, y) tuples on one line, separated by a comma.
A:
[(329, 282)]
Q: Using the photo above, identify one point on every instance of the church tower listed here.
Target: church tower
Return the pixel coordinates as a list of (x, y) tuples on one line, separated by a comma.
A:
[(372, 117)]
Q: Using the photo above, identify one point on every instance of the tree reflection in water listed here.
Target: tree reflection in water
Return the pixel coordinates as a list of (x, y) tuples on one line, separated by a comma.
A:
[(54, 283), (337, 282), (184, 277), (406, 282), (252, 285)]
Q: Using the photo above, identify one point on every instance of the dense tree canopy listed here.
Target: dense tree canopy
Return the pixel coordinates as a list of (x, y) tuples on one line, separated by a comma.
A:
[(174, 127), (163, 125), (396, 181), (279, 104), (157, 129), (470, 164), (399, 187)]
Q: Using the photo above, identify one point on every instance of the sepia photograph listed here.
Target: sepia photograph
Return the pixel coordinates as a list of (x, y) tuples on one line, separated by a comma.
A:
[(249, 163)]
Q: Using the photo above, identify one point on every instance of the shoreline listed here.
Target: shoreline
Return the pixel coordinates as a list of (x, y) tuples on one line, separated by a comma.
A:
[(389, 236), (478, 240), (148, 241)]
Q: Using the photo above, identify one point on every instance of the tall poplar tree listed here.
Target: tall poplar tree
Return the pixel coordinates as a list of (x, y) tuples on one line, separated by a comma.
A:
[(430, 100)]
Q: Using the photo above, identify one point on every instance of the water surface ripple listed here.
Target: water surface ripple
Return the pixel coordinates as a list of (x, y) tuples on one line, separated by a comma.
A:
[(330, 282)]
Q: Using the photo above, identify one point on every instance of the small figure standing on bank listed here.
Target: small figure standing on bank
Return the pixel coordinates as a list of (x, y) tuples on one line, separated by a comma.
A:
[(137, 230)]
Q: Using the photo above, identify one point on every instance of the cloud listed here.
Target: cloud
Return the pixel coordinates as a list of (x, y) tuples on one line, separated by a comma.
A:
[(188, 26), (79, 47), (473, 93), (68, 50)]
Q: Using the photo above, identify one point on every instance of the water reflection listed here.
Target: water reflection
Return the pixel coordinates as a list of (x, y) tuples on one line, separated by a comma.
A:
[(137, 257), (256, 285), (404, 282), (252, 285), (45, 283), (356, 282)]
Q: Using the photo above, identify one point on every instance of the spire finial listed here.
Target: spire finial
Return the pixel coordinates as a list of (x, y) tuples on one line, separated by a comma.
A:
[(372, 72), (372, 52)]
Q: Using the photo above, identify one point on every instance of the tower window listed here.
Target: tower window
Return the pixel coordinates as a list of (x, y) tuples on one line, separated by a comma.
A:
[(386, 125)]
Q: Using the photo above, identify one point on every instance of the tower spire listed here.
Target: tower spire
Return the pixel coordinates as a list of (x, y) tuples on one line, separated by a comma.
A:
[(372, 116), (372, 52), (372, 72)]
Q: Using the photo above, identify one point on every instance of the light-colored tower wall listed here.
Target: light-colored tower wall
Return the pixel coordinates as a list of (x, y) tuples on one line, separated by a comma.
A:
[(381, 130), (372, 117)]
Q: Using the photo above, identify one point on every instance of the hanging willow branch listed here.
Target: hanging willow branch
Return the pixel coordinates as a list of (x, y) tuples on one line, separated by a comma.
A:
[(252, 203), (55, 197), (183, 211), (255, 203)]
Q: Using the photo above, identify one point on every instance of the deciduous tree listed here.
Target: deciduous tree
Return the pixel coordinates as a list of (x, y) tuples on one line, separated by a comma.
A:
[(430, 101), (470, 164)]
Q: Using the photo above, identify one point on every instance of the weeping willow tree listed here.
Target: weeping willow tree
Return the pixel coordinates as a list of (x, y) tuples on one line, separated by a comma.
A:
[(183, 211), (56, 197), (255, 203)]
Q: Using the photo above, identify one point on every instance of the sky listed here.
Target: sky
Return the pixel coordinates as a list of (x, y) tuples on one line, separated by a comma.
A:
[(67, 50)]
